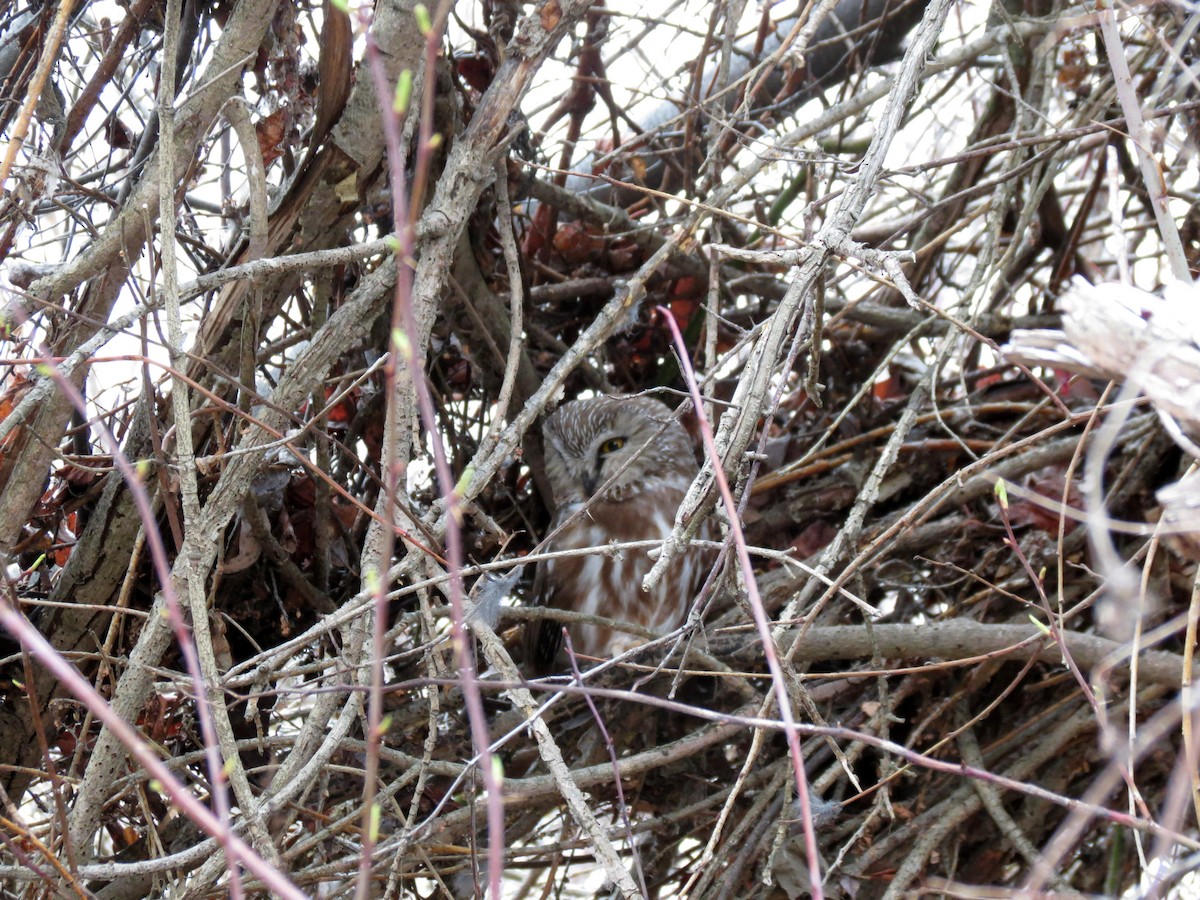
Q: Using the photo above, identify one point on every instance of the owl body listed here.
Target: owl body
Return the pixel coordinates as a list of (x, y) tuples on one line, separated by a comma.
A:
[(619, 468)]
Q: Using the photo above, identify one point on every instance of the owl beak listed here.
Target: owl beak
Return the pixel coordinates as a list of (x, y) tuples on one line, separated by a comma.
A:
[(589, 483)]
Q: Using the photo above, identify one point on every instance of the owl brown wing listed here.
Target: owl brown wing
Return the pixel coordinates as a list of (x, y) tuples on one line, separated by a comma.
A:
[(543, 637)]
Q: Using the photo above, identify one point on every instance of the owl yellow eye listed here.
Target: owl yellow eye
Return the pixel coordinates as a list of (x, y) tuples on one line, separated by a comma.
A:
[(612, 445)]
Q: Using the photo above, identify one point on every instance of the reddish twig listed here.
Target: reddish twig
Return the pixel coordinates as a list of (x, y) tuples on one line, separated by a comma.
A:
[(761, 620)]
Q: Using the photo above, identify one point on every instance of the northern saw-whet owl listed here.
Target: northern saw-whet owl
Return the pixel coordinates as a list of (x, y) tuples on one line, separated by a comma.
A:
[(619, 468)]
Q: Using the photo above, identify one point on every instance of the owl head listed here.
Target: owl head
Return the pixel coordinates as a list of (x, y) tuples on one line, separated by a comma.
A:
[(618, 446)]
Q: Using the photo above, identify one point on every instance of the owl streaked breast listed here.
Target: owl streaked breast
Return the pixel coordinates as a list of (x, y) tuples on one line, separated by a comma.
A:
[(619, 468)]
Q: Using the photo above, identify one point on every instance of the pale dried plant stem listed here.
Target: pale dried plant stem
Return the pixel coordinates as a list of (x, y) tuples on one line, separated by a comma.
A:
[(577, 804), (1152, 174), (516, 315), (224, 762), (1191, 743), (50, 49)]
